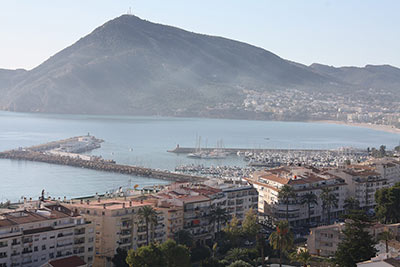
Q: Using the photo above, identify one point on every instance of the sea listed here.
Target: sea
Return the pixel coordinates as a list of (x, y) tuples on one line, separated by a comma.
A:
[(144, 141)]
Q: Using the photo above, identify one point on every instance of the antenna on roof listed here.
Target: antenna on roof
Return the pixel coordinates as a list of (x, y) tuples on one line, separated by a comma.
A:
[(129, 11)]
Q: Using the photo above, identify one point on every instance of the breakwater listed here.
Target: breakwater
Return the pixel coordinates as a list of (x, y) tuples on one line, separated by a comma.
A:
[(46, 153)]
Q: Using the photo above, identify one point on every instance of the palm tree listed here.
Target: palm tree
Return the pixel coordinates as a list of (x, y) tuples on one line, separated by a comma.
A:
[(281, 239), (302, 256), (286, 193), (351, 203), (309, 199), (149, 215), (329, 200), (386, 236), (219, 215)]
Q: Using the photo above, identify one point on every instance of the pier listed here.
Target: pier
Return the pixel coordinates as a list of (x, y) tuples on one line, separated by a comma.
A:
[(46, 153), (188, 150)]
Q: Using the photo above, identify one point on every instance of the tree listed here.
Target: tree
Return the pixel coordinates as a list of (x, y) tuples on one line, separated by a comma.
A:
[(175, 255), (146, 256), (250, 224), (219, 215), (200, 253), (184, 237), (356, 246), (236, 254), (281, 239), (233, 231), (240, 263), (329, 200), (302, 256), (211, 262), (351, 204), (310, 199), (168, 254), (382, 151), (388, 203), (285, 194), (386, 236), (397, 148), (119, 259), (149, 216)]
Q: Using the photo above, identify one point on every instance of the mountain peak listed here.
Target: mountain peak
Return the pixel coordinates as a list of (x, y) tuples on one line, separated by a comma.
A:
[(133, 66)]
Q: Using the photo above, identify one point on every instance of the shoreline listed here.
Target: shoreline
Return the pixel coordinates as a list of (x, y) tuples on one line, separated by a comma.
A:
[(377, 127)]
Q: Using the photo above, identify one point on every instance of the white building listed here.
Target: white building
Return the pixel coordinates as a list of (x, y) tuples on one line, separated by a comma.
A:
[(39, 233), (362, 183), (303, 180)]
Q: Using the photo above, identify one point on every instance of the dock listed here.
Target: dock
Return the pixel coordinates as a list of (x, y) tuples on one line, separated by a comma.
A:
[(188, 150), (45, 153)]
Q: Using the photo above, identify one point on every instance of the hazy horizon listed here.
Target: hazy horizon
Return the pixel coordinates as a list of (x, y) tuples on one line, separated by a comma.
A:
[(340, 33)]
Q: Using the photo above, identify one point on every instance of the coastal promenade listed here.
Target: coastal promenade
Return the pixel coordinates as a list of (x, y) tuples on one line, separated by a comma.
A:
[(45, 153)]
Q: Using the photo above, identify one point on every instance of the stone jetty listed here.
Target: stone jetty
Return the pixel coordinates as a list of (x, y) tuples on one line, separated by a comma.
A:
[(43, 153)]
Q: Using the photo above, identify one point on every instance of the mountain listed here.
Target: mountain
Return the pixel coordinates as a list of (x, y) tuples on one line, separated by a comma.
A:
[(133, 66), (371, 76)]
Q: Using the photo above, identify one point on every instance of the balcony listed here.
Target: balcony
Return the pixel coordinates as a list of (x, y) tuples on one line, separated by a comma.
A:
[(80, 231), (27, 240), (60, 235), (79, 241), (64, 245), (126, 232)]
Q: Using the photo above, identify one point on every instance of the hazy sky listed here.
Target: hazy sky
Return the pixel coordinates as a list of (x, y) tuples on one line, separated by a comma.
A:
[(333, 32)]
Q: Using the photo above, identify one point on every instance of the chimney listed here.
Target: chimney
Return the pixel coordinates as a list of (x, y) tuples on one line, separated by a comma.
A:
[(104, 206), (81, 201), (88, 201), (24, 200), (65, 199), (130, 203), (98, 200)]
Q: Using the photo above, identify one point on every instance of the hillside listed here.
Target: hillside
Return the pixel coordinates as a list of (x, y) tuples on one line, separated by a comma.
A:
[(132, 66)]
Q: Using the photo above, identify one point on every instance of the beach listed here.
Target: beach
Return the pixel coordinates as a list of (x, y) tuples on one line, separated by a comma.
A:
[(378, 127)]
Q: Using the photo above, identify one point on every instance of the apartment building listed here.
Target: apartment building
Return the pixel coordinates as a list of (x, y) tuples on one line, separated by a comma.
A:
[(118, 225), (200, 200), (324, 240), (362, 183), (388, 168), (303, 180), (40, 232), (240, 198)]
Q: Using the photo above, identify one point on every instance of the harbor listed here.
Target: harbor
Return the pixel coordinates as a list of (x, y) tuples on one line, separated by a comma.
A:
[(67, 152)]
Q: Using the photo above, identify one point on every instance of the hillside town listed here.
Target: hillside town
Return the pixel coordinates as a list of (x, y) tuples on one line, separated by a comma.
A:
[(370, 106), (208, 219)]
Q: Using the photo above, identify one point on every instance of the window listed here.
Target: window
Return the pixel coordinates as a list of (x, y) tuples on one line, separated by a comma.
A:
[(51, 255), (90, 249), (43, 247), (35, 248)]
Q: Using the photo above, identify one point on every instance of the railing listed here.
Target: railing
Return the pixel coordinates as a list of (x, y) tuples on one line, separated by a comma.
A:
[(64, 245), (64, 235)]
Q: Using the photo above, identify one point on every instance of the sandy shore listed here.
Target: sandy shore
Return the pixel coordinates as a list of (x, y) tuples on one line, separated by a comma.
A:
[(385, 128)]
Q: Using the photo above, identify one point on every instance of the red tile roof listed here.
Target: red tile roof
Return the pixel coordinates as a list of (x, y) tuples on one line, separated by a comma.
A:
[(73, 261)]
